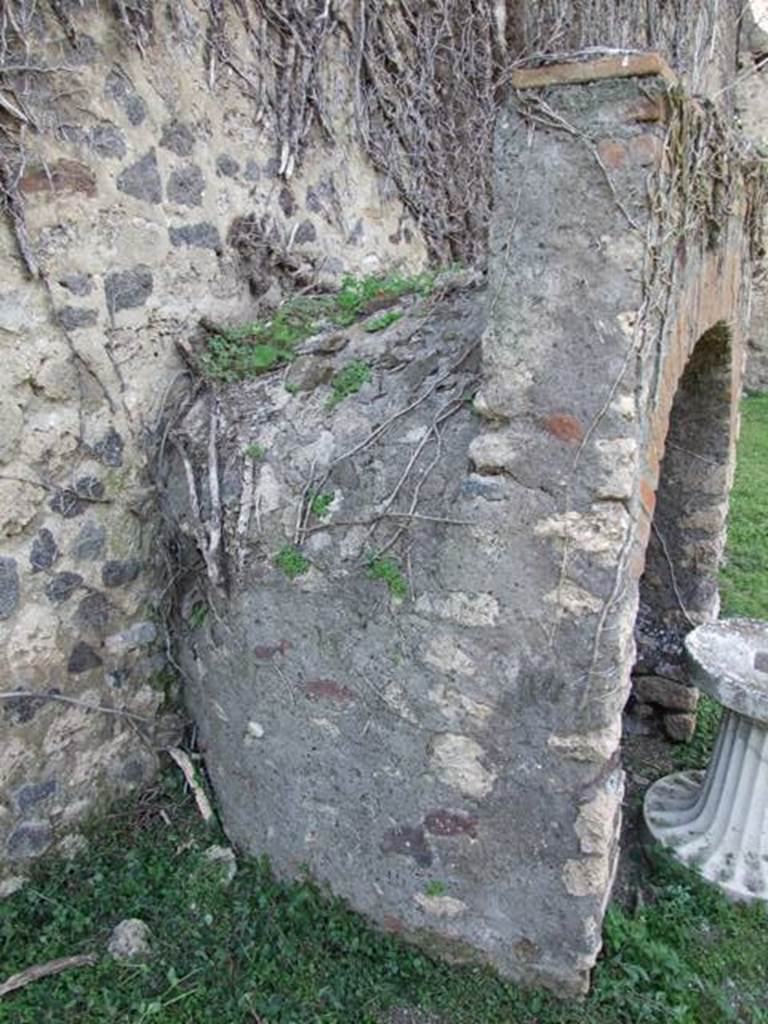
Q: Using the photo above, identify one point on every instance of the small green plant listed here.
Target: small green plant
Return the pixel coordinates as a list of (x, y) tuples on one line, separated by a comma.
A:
[(320, 503), (255, 451), (229, 359), (291, 387), (436, 888), (348, 381), (386, 570), (239, 353), (197, 615), (291, 561), (379, 323)]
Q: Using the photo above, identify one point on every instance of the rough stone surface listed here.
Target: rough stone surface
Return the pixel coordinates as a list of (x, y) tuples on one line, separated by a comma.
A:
[(127, 289), (142, 179), (186, 185), (72, 318), (62, 586), (666, 692), (29, 840), (120, 572), (680, 727), (9, 587), (130, 940), (487, 661), (107, 140), (203, 235), (222, 861), (126, 267), (44, 551), (178, 138), (88, 544), (83, 658)]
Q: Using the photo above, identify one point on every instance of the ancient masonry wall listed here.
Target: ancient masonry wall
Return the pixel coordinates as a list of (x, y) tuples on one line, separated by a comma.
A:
[(458, 739), (152, 198)]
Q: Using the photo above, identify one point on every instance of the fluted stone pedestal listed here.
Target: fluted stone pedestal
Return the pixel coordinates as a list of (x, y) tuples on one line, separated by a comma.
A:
[(718, 820)]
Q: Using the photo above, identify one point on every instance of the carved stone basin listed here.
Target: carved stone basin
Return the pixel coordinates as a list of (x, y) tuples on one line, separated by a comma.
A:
[(717, 820)]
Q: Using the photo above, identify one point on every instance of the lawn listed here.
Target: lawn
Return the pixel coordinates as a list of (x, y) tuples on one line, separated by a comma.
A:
[(259, 951)]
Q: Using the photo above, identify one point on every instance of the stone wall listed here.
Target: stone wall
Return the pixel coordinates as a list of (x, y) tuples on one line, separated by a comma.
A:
[(419, 693), (151, 196)]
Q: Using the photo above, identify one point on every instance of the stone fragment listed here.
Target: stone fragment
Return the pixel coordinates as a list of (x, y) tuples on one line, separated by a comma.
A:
[(409, 841), (305, 233), (440, 906), (680, 727), (287, 201), (94, 611), (88, 545), (186, 185), (129, 940), (29, 839), (128, 289), (89, 487), (466, 609), (177, 137), (666, 692), (308, 372), (62, 586), (119, 88), (226, 165), (63, 177), (141, 634), (106, 140), (10, 885), (83, 658), (223, 861), (32, 793), (119, 572), (596, 745), (11, 427), (9, 587), (20, 710), (72, 318), (457, 760), (44, 551), (109, 449), (142, 179), (78, 284), (252, 171), (202, 236)]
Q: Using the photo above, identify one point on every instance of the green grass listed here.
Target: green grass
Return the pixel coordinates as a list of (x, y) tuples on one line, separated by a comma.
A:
[(260, 950), (744, 581), (239, 353)]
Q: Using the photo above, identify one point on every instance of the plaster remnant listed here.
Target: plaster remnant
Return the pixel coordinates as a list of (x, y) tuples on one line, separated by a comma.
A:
[(596, 746), (494, 452), (457, 706), (596, 820), (445, 654), (601, 531), (458, 606), (588, 876), (440, 906), (456, 759), (575, 600), (618, 468)]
